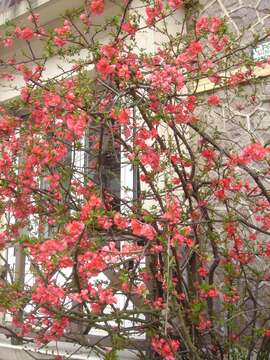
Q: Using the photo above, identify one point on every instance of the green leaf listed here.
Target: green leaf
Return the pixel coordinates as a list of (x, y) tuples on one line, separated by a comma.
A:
[(111, 355)]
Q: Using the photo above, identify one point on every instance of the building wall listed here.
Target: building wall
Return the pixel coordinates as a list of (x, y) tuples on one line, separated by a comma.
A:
[(254, 14), (251, 108), (241, 119)]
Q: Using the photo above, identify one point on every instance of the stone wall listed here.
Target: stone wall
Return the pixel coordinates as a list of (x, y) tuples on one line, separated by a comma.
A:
[(242, 119), (242, 14), (250, 111)]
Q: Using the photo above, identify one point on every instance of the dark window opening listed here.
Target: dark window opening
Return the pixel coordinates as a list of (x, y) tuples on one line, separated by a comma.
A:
[(103, 162)]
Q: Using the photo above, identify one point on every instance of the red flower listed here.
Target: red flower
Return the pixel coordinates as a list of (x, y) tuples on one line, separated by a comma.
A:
[(220, 194), (120, 222), (75, 228), (108, 50), (253, 152), (213, 100), (8, 42), (129, 28), (151, 158), (203, 323), (175, 4), (105, 68), (106, 296), (212, 293), (202, 271), (144, 230), (194, 49), (96, 308), (51, 99), (97, 7), (216, 22), (58, 41), (24, 34), (202, 24), (209, 154), (123, 117), (165, 348), (173, 211), (76, 123)]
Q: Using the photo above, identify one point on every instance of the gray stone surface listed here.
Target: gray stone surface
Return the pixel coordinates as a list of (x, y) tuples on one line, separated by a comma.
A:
[(251, 15), (244, 17), (264, 6)]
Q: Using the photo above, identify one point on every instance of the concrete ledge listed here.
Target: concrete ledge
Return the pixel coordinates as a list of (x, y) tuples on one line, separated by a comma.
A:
[(69, 350), (206, 85), (48, 9)]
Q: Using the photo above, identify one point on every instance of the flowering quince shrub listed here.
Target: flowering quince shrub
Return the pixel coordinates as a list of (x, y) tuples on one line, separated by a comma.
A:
[(179, 271)]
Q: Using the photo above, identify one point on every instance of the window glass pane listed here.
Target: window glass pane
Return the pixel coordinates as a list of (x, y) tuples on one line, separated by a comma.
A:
[(103, 161)]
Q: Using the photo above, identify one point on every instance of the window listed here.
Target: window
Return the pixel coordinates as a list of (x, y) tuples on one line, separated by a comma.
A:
[(103, 160), (96, 157)]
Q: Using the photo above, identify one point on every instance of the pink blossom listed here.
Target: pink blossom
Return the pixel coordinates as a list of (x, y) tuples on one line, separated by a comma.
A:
[(194, 48), (213, 100), (202, 24), (253, 152), (129, 28), (175, 4), (76, 123), (106, 296), (24, 34), (8, 42), (25, 94), (202, 271), (120, 221), (51, 99), (215, 24), (96, 308), (84, 18), (108, 50), (173, 211), (34, 17), (212, 293), (206, 65), (97, 7), (144, 230), (203, 323), (152, 158), (123, 116), (58, 41), (150, 14), (105, 68), (165, 348)]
